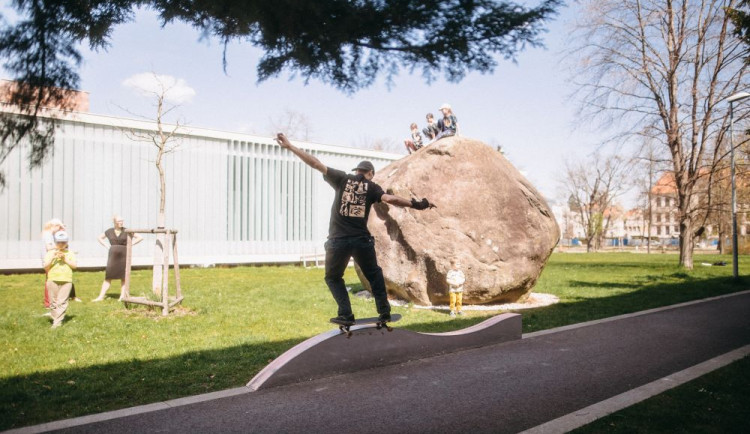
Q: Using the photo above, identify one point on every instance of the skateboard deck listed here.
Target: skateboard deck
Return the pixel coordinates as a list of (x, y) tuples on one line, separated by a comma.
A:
[(346, 327)]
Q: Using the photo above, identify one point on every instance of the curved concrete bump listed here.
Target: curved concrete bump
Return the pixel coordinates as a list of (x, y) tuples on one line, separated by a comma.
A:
[(332, 353)]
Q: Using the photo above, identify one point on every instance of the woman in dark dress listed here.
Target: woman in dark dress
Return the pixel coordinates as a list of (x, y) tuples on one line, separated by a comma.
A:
[(117, 239)]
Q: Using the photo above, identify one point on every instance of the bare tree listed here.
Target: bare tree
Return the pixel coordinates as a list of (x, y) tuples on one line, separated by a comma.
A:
[(720, 209), (667, 66), (592, 187), (385, 144), (294, 124), (166, 140), (648, 165)]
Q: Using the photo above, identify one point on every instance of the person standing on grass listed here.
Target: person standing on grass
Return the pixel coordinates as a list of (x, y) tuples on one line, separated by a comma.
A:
[(59, 264), (455, 279), (118, 241), (348, 236), (48, 238)]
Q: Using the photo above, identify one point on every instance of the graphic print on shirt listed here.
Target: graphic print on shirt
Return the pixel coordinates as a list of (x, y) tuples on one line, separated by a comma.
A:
[(353, 199)]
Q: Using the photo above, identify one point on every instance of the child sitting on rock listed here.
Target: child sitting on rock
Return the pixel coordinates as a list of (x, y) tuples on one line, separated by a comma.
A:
[(416, 139), (456, 279), (431, 131), (448, 125)]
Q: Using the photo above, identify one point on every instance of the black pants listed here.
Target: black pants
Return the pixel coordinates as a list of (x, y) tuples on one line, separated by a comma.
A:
[(362, 249)]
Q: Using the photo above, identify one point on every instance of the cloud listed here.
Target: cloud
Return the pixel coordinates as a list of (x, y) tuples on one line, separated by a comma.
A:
[(176, 90)]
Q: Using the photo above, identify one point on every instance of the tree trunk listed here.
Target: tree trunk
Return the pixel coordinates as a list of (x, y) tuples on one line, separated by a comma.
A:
[(687, 243), (156, 283)]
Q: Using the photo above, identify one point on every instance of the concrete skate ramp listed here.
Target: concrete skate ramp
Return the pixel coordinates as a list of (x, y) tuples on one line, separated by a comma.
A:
[(332, 353)]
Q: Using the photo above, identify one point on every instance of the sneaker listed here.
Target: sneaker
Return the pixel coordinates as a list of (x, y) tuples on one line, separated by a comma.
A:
[(97, 299), (77, 299), (385, 317), (452, 314), (460, 313), (56, 325), (343, 319)]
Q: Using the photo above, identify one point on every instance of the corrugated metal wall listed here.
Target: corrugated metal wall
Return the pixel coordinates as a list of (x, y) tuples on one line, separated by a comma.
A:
[(234, 198)]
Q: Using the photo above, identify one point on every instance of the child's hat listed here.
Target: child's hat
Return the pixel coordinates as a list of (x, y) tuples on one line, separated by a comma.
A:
[(61, 237)]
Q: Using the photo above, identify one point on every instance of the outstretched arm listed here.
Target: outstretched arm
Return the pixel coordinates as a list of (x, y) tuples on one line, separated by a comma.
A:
[(310, 160), (406, 203)]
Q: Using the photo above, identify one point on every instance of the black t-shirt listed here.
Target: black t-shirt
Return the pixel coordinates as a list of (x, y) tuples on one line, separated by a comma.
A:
[(351, 205)]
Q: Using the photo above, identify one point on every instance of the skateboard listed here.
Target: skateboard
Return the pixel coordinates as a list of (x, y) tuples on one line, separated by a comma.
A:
[(345, 327)]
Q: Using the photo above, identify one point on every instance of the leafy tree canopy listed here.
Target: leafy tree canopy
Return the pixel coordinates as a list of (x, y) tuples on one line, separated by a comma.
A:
[(344, 43), (741, 19)]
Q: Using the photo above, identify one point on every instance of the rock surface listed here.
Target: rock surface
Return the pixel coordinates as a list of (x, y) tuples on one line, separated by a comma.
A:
[(488, 216)]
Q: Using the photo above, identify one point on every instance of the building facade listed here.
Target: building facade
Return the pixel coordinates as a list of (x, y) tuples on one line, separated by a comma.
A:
[(234, 198)]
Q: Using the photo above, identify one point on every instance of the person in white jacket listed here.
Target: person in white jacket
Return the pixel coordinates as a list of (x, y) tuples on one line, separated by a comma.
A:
[(456, 279)]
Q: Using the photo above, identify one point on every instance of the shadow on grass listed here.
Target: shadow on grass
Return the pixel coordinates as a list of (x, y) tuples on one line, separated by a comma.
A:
[(584, 284), (575, 310), (606, 264), (46, 396)]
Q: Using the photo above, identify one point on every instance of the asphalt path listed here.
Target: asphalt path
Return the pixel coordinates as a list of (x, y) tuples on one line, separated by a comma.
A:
[(505, 388)]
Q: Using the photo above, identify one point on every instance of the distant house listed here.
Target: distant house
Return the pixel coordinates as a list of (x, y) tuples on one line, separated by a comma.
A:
[(665, 212), (75, 100)]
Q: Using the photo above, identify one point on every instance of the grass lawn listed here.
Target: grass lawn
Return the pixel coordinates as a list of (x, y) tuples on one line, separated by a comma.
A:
[(235, 320), (717, 402)]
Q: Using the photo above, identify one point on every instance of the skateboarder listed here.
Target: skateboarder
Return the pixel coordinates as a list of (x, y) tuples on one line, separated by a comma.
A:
[(348, 236)]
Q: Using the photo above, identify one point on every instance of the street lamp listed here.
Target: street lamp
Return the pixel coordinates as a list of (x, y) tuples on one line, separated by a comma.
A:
[(739, 96)]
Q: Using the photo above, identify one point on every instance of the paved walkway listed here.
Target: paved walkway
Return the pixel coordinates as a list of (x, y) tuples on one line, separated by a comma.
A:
[(560, 375)]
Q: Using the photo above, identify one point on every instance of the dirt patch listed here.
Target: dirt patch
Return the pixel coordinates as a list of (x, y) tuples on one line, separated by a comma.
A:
[(154, 312)]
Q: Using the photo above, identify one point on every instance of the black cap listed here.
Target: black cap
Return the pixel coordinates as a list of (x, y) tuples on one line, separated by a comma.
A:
[(366, 166)]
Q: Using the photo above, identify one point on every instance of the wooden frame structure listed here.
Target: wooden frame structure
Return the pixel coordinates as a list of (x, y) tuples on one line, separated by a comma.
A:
[(170, 239)]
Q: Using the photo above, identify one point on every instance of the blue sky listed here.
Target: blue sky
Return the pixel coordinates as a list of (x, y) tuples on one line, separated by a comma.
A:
[(523, 106)]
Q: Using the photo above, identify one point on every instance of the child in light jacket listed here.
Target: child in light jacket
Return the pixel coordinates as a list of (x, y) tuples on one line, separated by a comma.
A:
[(59, 264), (456, 279)]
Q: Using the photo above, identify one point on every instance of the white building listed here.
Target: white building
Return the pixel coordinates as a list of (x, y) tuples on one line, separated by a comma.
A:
[(234, 198)]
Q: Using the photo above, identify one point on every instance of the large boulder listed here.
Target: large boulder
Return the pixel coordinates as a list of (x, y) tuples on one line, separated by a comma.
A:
[(487, 215)]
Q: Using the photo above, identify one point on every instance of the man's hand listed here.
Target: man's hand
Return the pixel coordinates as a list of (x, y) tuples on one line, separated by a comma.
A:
[(309, 159), (283, 141), (422, 204)]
